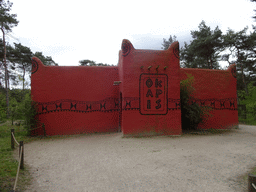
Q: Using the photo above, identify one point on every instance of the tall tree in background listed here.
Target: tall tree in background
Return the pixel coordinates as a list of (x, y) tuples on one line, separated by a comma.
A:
[(166, 44), (88, 62), (204, 50), (7, 21), (242, 47), (22, 57), (46, 60)]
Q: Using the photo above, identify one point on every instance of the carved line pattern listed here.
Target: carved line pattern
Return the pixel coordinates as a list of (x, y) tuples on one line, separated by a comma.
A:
[(126, 48), (128, 104), (176, 51), (34, 66), (218, 104), (107, 105)]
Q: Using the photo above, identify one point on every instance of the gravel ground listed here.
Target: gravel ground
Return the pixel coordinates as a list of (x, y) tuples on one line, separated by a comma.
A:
[(109, 162)]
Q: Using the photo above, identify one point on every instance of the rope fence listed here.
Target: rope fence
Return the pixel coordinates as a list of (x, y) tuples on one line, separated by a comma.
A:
[(21, 151), (21, 155)]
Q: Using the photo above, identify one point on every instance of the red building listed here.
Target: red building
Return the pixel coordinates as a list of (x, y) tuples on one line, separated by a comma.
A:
[(140, 96)]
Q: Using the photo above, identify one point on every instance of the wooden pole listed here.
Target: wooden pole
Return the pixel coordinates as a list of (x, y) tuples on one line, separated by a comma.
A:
[(22, 155), (12, 139), (251, 183)]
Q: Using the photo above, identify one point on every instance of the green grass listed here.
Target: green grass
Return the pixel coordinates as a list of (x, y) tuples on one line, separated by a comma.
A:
[(8, 164)]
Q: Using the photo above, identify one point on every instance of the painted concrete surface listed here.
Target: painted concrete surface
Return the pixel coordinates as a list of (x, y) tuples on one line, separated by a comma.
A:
[(109, 162)]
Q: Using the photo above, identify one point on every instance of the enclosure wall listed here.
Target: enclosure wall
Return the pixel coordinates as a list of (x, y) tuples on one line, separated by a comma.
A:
[(216, 89), (74, 100)]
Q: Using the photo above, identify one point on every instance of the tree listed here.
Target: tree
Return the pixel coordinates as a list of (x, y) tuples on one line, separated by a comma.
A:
[(7, 22), (46, 60), (254, 10), (241, 46), (22, 56), (204, 50), (87, 62), (166, 44)]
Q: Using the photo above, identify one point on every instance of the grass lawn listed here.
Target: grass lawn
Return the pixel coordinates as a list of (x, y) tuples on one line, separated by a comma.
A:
[(8, 164)]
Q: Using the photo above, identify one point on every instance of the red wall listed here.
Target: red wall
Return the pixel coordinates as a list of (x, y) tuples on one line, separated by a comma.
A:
[(216, 88), (75, 100), (82, 99), (151, 96)]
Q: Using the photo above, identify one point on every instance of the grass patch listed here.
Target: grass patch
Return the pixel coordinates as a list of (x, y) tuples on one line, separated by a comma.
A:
[(8, 164), (248, 121)]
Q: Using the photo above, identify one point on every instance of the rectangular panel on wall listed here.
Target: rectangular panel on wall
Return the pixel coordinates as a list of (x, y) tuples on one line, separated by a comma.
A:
[(153, 94)]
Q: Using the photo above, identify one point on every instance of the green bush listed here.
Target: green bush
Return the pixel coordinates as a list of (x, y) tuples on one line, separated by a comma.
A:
[(191, 113), (2, 107), (29, 111), (249, 101)]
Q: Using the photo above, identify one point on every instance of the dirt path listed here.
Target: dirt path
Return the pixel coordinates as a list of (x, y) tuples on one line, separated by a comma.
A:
[(109, 162)]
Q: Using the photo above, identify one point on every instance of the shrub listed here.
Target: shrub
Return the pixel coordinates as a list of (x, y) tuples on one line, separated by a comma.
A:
[(191, 113), (29, 111)]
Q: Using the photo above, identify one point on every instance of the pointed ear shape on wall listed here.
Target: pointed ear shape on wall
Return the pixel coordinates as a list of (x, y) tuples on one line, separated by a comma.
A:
[(175, 47), (232, 69), (126, 47), (36, 64)]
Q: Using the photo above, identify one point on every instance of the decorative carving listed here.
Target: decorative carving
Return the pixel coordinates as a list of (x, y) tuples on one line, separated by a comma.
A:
[(34, 66), (126, 47)]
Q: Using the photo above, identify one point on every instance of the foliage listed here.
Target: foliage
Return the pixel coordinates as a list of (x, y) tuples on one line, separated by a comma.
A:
[(250, 103), (7, 20), (204, 50), (29, 112), (2, 107), (242, 47), (9, 165), (166, 44), (21, 108), (191, 113), (88, 62), (46, 60)]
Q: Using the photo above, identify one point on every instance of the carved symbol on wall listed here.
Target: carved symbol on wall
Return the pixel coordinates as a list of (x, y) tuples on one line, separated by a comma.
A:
[(73, 106), (178, 105), (232, 104), (44, 108), (126, 48), (213, 104), (128, 103), (222, 104), (34, 66), (88, 107), (58, 106), (153, 94), (102, 106)]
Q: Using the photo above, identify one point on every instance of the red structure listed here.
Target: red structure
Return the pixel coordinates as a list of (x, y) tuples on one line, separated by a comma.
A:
[(141, 96)]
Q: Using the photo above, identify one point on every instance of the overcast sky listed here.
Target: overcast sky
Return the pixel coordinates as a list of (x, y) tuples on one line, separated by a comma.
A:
[(70, 31)]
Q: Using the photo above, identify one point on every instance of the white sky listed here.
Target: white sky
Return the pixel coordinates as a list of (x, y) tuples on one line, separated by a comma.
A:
[(70, 31)]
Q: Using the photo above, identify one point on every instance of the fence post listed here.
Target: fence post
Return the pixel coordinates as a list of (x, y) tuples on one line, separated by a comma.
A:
[(251, 182), (44, 130), (12, 139), (22, 155)]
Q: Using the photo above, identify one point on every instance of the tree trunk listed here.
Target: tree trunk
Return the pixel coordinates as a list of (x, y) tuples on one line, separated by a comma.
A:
[(23, 78), (245, 86), (6, 75)]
